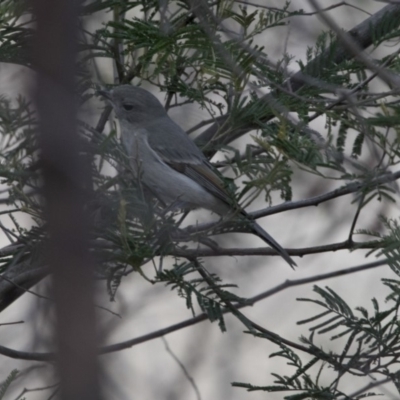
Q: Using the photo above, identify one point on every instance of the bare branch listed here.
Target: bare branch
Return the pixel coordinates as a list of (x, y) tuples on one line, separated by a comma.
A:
[(267, 251), (200, 318), (312, 201)]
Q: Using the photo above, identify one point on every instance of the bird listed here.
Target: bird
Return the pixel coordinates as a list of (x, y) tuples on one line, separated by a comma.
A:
[(169, 163)]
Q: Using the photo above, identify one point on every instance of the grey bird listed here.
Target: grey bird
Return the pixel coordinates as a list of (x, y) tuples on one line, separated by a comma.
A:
[(169, 163)]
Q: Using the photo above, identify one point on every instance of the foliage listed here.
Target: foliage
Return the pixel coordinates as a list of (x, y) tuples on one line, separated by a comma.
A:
[(4, 386), (367, 342)]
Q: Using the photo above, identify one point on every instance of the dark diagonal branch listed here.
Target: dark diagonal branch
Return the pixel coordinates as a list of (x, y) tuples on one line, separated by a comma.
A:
[(351, 46), (363, 35)]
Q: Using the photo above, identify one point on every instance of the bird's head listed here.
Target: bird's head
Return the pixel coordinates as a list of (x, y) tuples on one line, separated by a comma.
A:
[(134, 104)]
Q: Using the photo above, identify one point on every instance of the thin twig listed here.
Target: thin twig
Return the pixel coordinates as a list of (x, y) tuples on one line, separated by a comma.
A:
[(183, 368)]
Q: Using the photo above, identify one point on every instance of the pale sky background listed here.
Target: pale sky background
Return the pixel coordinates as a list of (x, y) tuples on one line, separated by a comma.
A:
[(215, 359)]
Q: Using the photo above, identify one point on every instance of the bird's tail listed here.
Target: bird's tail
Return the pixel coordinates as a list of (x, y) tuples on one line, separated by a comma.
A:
[(261, 233)]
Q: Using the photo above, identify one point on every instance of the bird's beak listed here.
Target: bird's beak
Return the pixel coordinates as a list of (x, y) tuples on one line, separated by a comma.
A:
[(104, 93)]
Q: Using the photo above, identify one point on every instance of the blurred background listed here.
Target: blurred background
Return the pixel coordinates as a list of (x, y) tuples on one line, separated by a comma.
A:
[(212, 360)]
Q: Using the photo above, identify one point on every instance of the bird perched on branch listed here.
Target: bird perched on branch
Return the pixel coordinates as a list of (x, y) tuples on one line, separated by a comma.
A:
[(169, 163)]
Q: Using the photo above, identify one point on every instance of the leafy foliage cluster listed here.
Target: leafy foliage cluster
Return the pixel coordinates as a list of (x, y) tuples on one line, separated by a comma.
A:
[(369, 349)]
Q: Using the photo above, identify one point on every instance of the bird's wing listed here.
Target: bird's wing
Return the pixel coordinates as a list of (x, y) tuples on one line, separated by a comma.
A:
[(201, 172), (205, 176), (172, 143), (179, 152)]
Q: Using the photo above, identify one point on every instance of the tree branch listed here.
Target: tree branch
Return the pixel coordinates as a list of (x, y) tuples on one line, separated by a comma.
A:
[(312, 201), (315, 201), (267, 251), (363, 35), (22, 355)]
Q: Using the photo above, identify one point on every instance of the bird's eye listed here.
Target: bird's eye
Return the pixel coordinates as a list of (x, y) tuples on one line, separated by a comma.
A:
[(128, 107)]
